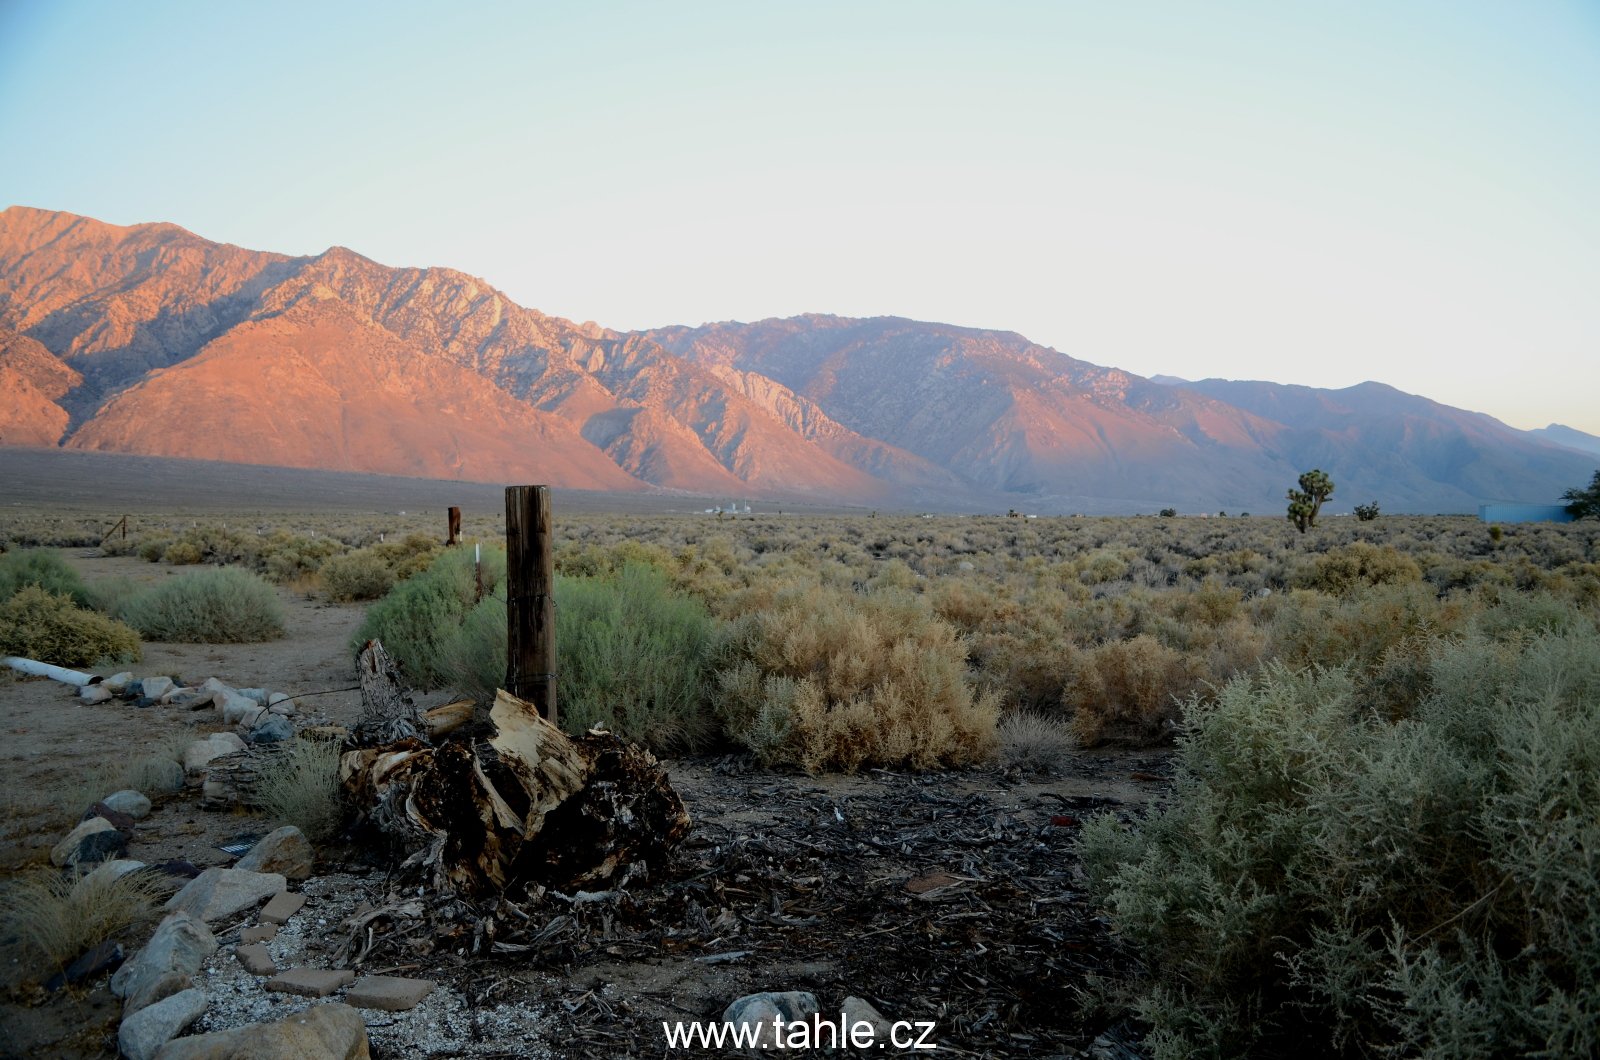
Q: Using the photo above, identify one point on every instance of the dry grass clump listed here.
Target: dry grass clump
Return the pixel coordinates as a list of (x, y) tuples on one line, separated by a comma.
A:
[(299, 785), (1034, 743), (223, 605), (834, 681), (37, 624), (59, 917)]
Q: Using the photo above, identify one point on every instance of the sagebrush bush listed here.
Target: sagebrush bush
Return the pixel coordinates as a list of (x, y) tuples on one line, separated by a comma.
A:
[(43, 567), (298, 784), (359, 575), (39, 625), (1130, 691), (420, 620), (1348, 567), (59, 916), (1333, 882), (833, 681), (222, 605)]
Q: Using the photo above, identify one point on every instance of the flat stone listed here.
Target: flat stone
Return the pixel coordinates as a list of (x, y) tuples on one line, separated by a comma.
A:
[(156, 687), (310, 982), (284, 905), (388, 992), (285, 851), (761, 1012), (323, 1032), (98, 959), (110, 870), (95, 693), (62, 853), (256, 959), (181, 943), (188, 698), (142, 1034), (118, 683), (129, 802), (217, 893), (259, 933)]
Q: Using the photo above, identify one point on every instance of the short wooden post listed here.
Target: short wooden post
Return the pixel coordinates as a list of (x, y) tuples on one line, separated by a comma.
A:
[(530, 603), (455, 527)]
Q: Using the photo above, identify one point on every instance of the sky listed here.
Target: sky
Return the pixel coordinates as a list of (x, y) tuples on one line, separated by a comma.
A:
[(1303, 192)]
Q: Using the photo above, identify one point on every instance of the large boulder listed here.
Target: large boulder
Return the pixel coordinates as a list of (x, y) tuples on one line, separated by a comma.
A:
[(325, 1032), (236, 708), (142, 1034), (156, 687), (217, 893), (72, 848), (285, 851), (199, 754), (181, 944), (129, 802)]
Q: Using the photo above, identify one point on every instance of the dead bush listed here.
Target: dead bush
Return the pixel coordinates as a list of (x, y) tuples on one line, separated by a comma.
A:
[(1034, 742), (37, 624), (1130, 691), (830, 680)]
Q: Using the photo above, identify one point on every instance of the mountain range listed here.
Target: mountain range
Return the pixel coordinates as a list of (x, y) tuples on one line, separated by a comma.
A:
[(149, 339)]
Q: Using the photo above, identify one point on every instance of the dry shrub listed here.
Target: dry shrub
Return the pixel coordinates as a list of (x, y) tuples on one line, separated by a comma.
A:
[(299, 785), (1345, 569), (1034, 742), (1130, 691), (1310, 629), (37, 624), (181, 554), (829, 680), (59, 916), (224, 605), (358, 575)]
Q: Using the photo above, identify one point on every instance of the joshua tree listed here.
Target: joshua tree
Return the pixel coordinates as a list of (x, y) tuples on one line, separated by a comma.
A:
[(1585, 503), (1305, 503), (1367, 512)]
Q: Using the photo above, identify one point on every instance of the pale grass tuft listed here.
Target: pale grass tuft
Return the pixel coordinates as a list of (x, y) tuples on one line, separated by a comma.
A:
[(1034, 742), (299, 785), (60, 916)]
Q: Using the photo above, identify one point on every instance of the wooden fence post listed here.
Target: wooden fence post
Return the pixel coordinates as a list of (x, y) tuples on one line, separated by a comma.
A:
[(530, 603), (455, 527)]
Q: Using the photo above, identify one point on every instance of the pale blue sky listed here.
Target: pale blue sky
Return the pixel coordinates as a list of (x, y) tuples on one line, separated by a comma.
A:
[(1307, 192)]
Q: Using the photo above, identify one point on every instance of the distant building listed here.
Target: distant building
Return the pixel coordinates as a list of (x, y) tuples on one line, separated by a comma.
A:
[(1524, 513)]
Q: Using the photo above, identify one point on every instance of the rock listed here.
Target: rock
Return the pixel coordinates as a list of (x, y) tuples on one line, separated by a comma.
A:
[(286, 708), (144, 1033), (324, 1032), (855, 1010), (761, 1011), (310, 982), (62, 853), (134, 689), (98, 959), (144, 701), (189, 698), (963, 565), (157, 989), (179, 869), (272, 728), (95, 693), (284, 851), (118, 683), (217, 893), (181, 943), (129, 802), (199, 754), (211, 684), (389, 993), (235, 708), (276, 698), (110, 870), (259, 933), (101, 846), (122, 822), (284, 905), (162, 774), (155, 687), (256, 959), (259, 695)]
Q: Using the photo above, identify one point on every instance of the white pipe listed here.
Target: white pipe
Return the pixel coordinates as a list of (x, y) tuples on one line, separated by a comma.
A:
[(39, 669)]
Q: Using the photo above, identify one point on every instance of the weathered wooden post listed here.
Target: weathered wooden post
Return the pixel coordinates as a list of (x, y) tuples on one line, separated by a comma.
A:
[(455, 527), (530, 600)]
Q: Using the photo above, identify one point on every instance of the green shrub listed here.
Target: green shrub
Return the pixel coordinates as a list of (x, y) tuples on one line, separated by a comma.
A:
[(39, 625), (43, 567), (1334, 883), (299, 785), (181, 553), (151, 549), (421, 618), (358, 575), (221, 605)]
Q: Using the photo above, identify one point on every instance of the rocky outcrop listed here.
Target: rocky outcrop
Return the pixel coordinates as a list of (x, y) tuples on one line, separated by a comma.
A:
[(32, 382)]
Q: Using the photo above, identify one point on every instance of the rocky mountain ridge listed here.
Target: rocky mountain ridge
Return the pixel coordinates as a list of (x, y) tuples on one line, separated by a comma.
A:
[(149, 339)]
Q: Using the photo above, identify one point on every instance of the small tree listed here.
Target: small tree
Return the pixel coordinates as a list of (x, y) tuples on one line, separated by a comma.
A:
[(1305, 503), (1169, 513), (1584, 503), (1367, 512)]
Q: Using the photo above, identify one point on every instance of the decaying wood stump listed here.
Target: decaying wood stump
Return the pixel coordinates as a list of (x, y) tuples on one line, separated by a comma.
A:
[(530, 805), (388, 714)]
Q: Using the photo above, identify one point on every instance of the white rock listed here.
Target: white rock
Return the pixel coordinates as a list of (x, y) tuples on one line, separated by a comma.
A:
[(211, 684), (235, 707), (276, 697), (110, 870), (199, 754), (181, 944), (94, 693), (217, 893), (156, 687), (64, 849), (252, 718), (286, 707), (257, 694), (762, 1011), (129, 802), (143, 1034), (118, 683), (855, 1010)]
